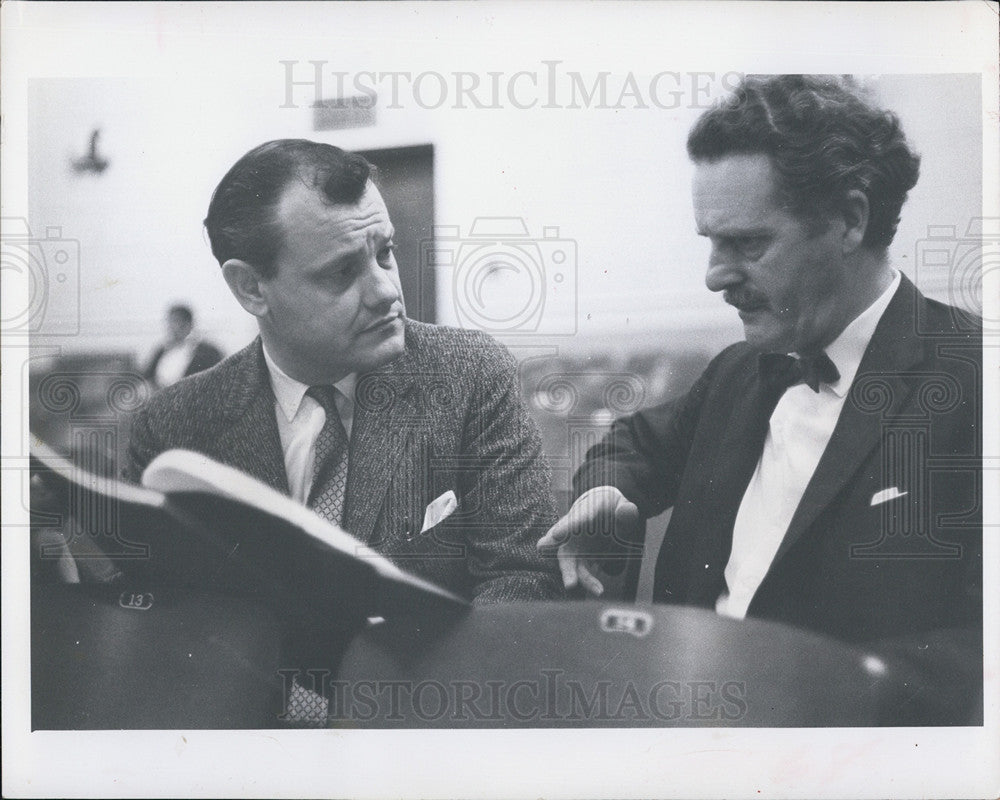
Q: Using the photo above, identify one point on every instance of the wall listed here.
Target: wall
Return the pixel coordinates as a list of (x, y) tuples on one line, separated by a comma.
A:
[(612, 182)]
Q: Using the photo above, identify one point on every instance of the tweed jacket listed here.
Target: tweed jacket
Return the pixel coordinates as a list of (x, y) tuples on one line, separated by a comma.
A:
[(446, 415), (886, 543)]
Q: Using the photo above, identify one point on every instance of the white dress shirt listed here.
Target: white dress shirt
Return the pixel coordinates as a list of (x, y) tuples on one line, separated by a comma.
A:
[(300, 419), (174, 361), (800, 429)]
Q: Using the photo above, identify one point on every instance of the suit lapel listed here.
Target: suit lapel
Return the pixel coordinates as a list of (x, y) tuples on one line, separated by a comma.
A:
[(725, 475), (249, 440), (879, 390), (387, 404)]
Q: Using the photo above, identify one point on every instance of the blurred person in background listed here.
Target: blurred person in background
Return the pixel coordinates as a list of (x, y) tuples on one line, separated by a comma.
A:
[(182, 353)]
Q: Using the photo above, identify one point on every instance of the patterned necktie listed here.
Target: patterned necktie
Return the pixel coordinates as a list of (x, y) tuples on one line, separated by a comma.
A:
[(329, 485), (306, 708), (781, 371)]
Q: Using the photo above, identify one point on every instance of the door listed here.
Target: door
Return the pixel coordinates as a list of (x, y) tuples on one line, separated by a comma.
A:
[(406, 180)]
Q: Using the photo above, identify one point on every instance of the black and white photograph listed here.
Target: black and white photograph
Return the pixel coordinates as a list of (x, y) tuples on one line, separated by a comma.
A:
[(454, 399)]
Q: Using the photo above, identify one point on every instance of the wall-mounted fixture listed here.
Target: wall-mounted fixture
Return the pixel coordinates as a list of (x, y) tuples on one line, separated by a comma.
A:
[(93, 161)]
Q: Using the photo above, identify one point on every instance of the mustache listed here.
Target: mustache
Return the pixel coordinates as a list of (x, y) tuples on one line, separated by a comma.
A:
[(744, 298)]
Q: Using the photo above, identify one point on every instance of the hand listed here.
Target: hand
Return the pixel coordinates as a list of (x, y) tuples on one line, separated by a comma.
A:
[(602, 512)]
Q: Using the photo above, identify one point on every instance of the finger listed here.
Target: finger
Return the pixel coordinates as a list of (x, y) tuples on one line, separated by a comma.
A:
[(555, 536), (626, 513), (587, 579), (581, 517), (627, 523), (567, 566), (559, 533)]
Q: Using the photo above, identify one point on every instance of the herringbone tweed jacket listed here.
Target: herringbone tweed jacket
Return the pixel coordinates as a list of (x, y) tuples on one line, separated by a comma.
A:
[(446, 415)]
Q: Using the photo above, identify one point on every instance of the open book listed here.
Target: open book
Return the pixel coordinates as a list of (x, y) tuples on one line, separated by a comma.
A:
[(196, 522)]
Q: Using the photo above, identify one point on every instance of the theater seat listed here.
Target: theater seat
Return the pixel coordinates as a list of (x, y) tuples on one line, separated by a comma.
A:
[(119, 657)]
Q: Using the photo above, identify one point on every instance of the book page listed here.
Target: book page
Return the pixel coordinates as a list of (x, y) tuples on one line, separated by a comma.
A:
[(188, 471)]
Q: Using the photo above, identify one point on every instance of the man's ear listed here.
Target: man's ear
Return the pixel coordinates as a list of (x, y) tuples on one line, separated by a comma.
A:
[(244, 282), (855, 210)]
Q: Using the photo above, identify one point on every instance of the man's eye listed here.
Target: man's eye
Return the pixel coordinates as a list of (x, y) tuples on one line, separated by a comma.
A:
[(386, 252), (754, 247)]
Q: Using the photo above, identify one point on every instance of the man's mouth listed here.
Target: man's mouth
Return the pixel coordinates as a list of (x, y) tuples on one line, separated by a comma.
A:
[(745, 304), (384, 322)]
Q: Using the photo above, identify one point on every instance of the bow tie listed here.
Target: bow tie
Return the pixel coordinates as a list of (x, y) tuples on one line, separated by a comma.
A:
[(784, 371)]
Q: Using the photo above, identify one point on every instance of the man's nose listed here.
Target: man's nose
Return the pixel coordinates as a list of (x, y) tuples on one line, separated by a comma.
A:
[(723, 270), (381, 286)]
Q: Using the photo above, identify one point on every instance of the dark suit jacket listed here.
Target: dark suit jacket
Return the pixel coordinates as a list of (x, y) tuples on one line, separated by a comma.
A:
[(905, 569), (203, 357), (445, 415)]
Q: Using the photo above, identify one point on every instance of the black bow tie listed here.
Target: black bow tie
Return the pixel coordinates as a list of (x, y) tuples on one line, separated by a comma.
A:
[(784, 371)]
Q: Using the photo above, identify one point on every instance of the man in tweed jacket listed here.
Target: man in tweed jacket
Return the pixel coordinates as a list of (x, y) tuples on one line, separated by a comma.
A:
[(305, 244)]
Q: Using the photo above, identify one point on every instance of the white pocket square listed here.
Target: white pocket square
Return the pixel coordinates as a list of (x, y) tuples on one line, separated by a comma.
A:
[(439, 510), (886, 495)]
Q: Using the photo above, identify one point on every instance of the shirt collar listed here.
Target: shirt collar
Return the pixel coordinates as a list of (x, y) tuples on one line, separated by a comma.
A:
[(188, 341), (289, 392), (847, 350)]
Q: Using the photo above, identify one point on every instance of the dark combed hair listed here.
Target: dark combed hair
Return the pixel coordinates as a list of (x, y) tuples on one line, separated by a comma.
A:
[(824, 140), (181, 310), (241, 219)]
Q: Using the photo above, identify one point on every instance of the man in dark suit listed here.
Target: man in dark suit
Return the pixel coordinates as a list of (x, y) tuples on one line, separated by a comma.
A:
[(825, 472), (183, 353), (412, 437)]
